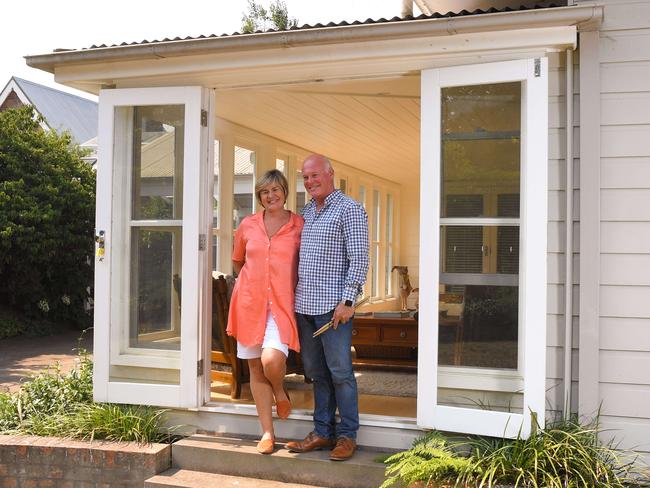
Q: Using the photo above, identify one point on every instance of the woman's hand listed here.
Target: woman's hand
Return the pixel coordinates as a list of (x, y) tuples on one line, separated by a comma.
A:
[(342, 314), (237, 266)]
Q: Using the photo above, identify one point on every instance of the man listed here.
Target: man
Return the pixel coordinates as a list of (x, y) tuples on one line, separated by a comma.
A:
[(332, 270)]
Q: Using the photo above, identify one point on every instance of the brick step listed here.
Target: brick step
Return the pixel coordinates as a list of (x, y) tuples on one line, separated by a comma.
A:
[(182, 478), (238, 457)]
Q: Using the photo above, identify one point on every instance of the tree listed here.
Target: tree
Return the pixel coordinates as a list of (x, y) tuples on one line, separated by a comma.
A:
[(47, 207), (259, 18)]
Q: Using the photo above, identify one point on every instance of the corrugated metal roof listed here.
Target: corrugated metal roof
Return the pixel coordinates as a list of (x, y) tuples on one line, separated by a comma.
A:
[(62, 111), (436, 15)]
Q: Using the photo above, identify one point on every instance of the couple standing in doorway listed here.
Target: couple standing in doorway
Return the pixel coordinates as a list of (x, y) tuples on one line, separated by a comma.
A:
[(295, 275)]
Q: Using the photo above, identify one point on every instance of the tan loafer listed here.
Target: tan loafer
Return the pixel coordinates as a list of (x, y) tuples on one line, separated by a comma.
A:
[(310, 443), (266, 446), (283, 407), (344, 449)]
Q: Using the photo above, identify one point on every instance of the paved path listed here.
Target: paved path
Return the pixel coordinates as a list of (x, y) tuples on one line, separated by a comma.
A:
[(21, 356)]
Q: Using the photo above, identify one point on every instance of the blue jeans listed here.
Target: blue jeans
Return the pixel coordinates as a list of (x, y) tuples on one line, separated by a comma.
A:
[(328, 361)]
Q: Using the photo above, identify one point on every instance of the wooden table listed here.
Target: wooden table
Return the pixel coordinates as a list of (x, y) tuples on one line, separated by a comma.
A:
[(385, 342)]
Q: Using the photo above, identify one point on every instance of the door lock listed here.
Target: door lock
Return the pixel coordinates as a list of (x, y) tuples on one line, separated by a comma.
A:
[(100, 239)]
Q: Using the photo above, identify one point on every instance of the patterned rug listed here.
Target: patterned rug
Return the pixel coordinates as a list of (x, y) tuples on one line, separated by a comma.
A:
[(384, 383)]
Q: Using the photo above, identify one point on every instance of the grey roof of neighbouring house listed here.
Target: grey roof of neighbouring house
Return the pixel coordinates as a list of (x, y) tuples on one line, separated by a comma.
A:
[(62, 111)]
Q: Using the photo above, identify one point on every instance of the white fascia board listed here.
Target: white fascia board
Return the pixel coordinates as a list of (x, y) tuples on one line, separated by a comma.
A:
[(322, 62)]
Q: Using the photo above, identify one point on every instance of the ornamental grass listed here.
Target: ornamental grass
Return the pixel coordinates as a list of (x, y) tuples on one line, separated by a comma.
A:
[(59, 404), (565, 454)]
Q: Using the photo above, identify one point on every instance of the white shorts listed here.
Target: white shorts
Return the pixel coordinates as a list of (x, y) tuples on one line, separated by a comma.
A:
[(271, 339)]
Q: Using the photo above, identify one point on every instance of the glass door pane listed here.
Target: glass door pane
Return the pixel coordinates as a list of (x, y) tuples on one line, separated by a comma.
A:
[(155, 310), (478, 306), (244, 194), (156, 198)]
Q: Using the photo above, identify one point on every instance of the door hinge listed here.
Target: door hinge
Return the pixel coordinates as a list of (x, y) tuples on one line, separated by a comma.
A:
[(203, 242), (538, 67), (204, 118), (199, 367)]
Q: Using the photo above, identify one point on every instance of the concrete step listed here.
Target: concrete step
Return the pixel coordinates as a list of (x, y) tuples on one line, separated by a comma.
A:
[(182, 478), (238, 457)]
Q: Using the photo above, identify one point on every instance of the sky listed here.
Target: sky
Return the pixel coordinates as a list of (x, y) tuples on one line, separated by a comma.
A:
[(40, 26)]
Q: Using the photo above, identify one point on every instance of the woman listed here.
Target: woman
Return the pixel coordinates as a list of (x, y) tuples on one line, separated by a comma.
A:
[(261, 317)]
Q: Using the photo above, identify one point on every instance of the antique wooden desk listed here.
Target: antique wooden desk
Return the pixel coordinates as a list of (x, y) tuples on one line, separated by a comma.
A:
[(385, 342)]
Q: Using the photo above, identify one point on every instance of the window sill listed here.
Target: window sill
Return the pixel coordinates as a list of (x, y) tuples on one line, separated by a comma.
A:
[(148, 359), (510, 381)]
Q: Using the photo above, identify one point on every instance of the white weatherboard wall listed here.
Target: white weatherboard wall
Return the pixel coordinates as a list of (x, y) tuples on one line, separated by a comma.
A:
[(624, 289), (556, 247)]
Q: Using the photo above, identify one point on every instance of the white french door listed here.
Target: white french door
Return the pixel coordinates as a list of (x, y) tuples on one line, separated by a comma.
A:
[(481, 366), (152, 180)]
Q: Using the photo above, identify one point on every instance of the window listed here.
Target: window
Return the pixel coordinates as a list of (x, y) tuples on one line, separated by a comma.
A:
[(281, 165), (388, 264), (374, 244), (301, 193), (216, 265), (343, 185), (244, 184)]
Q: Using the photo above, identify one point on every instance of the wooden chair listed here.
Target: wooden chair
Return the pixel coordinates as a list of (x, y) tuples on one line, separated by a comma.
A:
[(224, 347)]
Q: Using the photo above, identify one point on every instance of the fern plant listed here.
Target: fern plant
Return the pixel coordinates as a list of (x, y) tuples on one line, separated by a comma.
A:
[(431, 459)]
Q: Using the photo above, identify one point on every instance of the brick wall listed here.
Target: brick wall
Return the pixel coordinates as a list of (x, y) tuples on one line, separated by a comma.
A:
[(12, 101), (27, 461)]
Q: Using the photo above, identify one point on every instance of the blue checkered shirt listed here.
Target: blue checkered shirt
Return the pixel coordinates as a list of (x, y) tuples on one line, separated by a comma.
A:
[(333, 254)]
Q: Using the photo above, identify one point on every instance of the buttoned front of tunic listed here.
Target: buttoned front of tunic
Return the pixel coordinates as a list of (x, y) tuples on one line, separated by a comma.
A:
[(266, 281)]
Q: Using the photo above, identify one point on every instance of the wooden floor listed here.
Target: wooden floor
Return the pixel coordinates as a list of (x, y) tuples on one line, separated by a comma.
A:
[(303, 399)]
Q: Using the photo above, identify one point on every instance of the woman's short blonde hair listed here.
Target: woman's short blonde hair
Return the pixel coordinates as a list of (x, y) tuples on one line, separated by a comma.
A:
[(273, 176)]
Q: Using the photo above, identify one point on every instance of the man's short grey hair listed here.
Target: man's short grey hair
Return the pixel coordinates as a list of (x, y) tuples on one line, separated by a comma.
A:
[(328, 164)]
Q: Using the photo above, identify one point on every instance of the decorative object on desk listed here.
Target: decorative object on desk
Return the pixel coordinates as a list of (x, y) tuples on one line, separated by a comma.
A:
[(392, 314), (405, 288)]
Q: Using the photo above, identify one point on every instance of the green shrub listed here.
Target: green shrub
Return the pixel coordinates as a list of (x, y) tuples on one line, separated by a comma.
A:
[(10, 327), (9, 416), (56, 404), (52, 392), (47, 207)]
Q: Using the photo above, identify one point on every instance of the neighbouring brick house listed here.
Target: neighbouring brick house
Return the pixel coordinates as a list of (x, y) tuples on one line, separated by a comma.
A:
[(62, 111)]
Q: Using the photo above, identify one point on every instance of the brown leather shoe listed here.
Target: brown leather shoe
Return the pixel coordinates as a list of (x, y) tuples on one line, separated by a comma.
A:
[(310, 443), (344, 449)]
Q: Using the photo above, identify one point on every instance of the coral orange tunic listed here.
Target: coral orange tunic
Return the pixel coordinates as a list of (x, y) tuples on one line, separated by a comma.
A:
[(267, 280)]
